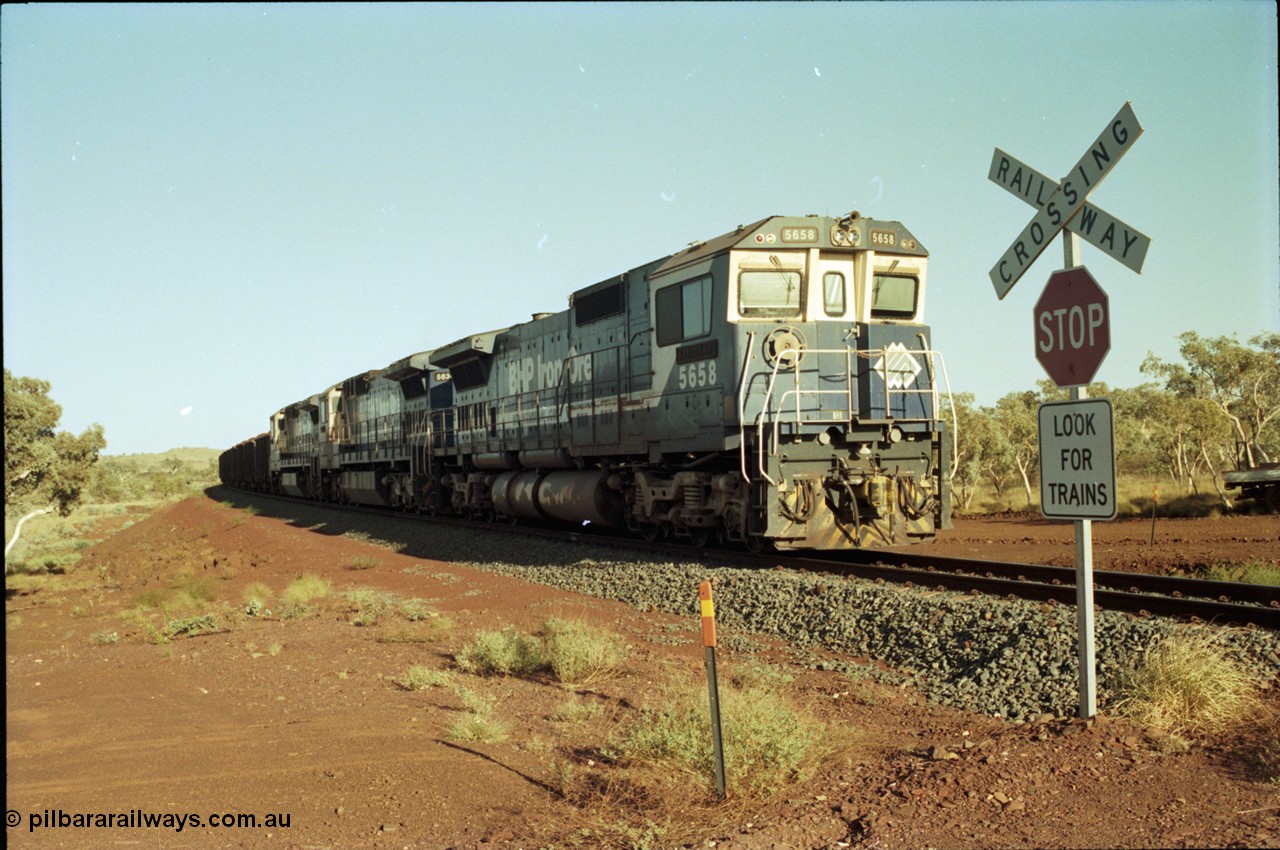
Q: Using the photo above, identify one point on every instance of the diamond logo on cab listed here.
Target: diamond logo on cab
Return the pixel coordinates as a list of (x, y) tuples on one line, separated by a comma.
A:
[(902, 368)]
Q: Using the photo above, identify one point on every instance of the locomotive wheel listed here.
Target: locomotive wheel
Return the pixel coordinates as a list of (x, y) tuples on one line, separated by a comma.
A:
[(701, 537), (649, 532), (757, 545)]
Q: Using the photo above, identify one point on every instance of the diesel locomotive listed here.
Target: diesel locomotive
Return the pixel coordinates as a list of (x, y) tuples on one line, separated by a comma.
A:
[(775, 386)]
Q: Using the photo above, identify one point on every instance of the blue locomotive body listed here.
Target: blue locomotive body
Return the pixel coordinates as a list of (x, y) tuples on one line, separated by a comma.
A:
[(774, 386)]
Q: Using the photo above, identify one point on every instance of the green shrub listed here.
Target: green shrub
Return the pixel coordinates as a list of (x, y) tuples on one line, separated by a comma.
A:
[(364, 562), (369, 605), (579, 654), (767, 741), (257, 598), (418, 677), (417, 610), (503, 653), (201, 625)]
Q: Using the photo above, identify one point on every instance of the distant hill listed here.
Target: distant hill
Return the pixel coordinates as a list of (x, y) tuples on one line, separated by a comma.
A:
[(193, 456)]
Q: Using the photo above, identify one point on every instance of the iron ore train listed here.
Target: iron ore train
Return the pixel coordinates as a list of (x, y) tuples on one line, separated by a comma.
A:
[(773, 387)]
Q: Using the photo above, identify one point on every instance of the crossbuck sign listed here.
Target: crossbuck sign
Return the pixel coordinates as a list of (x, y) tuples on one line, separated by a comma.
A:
[(1066, 200), (1102, 230)]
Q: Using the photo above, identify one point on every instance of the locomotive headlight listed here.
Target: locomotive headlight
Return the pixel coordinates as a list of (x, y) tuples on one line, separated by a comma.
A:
[(843, 238)]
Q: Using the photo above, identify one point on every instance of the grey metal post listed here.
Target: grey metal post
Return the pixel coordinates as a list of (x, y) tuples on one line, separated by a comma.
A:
[(1086, 649)]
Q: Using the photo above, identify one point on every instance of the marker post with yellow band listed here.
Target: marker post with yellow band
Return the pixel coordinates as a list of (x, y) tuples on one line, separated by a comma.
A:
[(708, 610)]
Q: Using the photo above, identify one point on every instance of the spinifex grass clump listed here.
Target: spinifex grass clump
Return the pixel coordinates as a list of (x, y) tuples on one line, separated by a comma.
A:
[(1190, 684), (574, 652), (478, 723), (579, 654), (1247, 572), (768, 741), (186, 596), (295, 597), (504, 653)]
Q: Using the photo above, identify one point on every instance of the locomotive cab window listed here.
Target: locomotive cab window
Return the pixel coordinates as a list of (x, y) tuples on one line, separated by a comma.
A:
[(833, 294), (776, 292), (684, 311), (894, 296)]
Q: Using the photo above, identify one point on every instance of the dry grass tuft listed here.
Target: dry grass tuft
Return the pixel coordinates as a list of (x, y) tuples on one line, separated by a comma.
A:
[(305, 588), (580, 655), (769, 742), (1190, 684), (504, 653)]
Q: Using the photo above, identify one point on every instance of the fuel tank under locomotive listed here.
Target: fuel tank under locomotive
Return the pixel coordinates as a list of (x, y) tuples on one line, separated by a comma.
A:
[(568, 496)]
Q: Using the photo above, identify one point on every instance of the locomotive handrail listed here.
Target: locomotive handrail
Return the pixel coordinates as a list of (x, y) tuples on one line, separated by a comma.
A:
[(790, 354), (742, 407), (951, 403), (791, 361)]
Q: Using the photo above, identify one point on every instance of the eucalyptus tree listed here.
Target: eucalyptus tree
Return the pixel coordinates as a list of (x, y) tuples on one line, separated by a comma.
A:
[(45, 470)]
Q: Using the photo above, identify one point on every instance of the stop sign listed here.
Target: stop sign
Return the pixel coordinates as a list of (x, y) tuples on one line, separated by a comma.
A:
[(1072, 327)]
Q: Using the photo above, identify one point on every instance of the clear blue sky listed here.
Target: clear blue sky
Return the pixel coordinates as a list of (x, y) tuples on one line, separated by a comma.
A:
[(211, 211)]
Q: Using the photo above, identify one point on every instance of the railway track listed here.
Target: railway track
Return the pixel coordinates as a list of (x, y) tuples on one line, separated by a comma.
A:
[(1222, 603)]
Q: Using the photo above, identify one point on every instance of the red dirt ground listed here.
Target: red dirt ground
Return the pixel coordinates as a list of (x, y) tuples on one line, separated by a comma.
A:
[(303, 717), (1178, 546)]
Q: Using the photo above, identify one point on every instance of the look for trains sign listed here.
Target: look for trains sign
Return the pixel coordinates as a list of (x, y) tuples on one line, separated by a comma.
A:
[(1077, 460)]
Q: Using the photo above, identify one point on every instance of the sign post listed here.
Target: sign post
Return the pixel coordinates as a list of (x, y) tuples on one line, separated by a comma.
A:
[(1086, 644), (1073, 335)]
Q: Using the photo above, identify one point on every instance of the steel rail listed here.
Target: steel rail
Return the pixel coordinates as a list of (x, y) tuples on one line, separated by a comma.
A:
[(1192, 604), (1174, 586)]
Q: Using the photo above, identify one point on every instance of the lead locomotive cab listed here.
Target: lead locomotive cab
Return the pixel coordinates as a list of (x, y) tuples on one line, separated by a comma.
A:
[(812, 329)]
